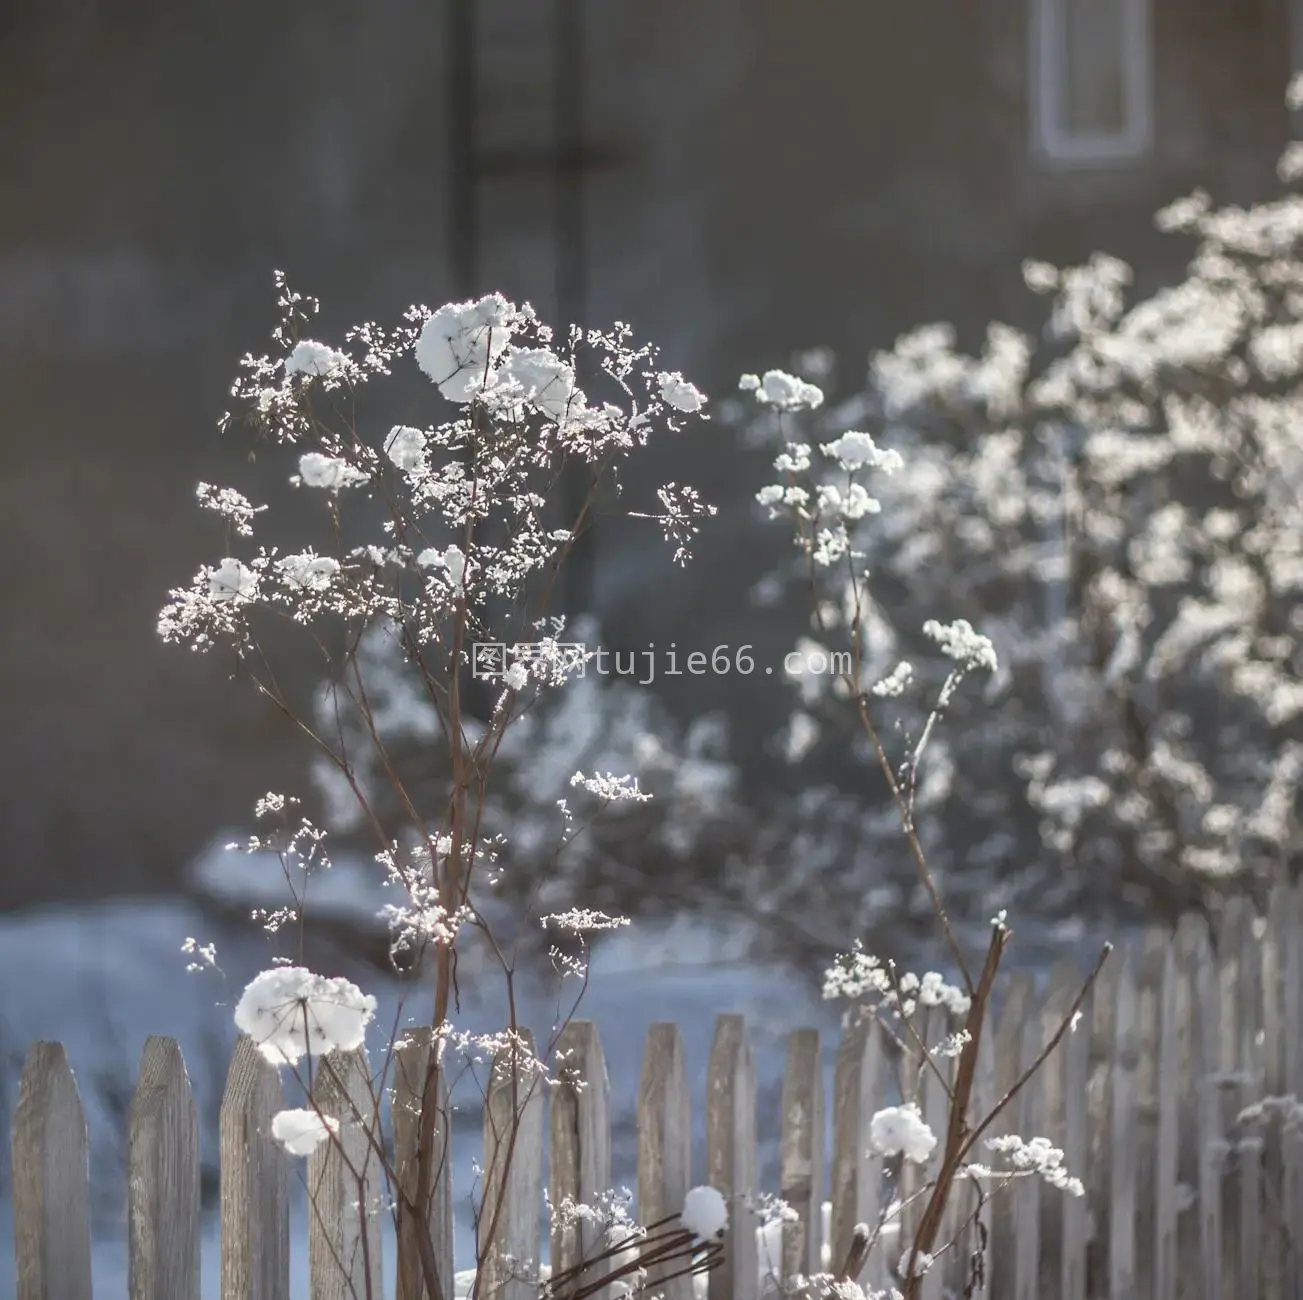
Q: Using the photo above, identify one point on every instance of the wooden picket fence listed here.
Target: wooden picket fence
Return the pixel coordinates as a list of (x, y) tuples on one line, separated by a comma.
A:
[(1184, 1196)]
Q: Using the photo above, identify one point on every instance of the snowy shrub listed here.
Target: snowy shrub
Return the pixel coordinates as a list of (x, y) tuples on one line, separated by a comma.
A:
[(1117, 506), (690, 824), (462, 554)]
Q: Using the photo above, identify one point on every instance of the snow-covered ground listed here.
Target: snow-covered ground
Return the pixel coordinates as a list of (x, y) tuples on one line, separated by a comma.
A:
[(101, 978)]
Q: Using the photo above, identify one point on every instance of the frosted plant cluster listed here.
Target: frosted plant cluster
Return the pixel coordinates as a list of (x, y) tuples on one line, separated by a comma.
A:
[(463, 548), (1115, 510), (685, 818)]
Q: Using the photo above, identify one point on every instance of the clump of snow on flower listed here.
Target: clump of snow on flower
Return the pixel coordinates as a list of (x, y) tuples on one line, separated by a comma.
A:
[(704, 1213), (452, 561), (307, 571), (608, 786), (854, 449), (900, 1130), (289, 1012), (916, 1262), (545, 381), (316, 359), (782, 391), (959, 642), (405, 447), (300, 1132), (232, 581), (328, 472), (1036, 1156), (896, 682), (461, 343), (680, 394)]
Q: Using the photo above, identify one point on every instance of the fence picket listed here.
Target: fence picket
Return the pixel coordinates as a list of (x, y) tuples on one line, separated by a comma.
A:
[(801, 1154), (580, 1135), (1166, 1205), (344, 1183), (935, 1089), (255, 1232), (415, 1087), (1291, 1182), (1073, 1078), (1196, 956), (1098, 1103), (508, 1232), (1062, 987), (859, 1084), (1148, 1086), (731, 1155), (50, 1181), (163, 1179), (1122, 1185), (977, 1203), (664, 1124), (1014, 1015), (1184, 1198)]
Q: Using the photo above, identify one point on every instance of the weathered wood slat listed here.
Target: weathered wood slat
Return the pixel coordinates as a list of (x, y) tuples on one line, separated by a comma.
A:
[(416, 1086), (1015, 1013), (1185, 1201), (801, 1154), (1051, 1084), (1290, 1195), (935, 1098), (508, 1232), (664, 1123), (1169, 1110), (1103, 1040), (1149, 985), (1074, 1081), (977, 1203), (345, 1182), (731, 1155), (255, 1231), (1123, 1154), (1026, 1192), (859, 1084), (1206, 1060), (163, 1179), (50, 1183), (580, 1131)]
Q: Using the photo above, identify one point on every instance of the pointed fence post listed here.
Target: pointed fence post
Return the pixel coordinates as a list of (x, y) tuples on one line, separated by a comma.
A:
[(731, 1155), (255, 1208), (345, 1182), (412, 1078), (1015, 1011), (801, 1154), (1098, 1102), (50, 1181), (664, 1144), (934, 1027), (1121, 1186), (1030, 1108), (977, 1254), (1194, 951), (580, 1140), (1069, 1067), (860, 1081), (1148, 1088), (163, 1179), (512, 1201)]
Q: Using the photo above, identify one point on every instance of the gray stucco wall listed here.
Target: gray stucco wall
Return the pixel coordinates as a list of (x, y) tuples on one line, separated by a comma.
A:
[(831, 173)]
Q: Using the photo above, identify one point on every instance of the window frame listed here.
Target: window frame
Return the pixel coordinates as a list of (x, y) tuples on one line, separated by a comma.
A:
[(1052, 140)]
